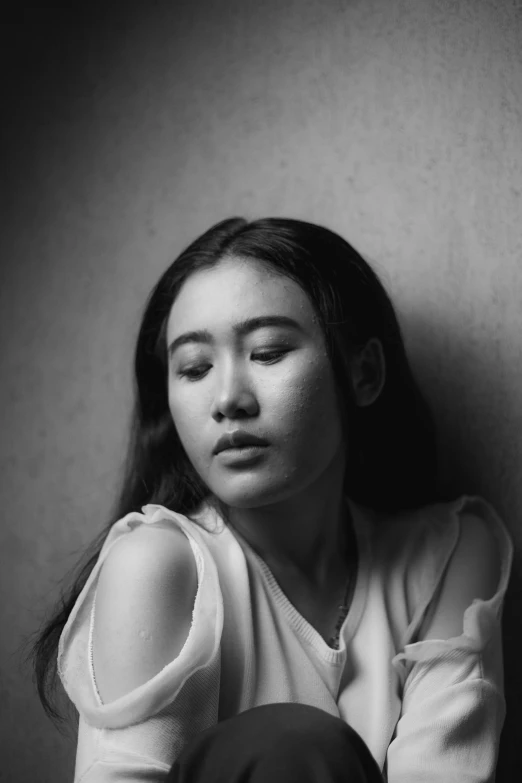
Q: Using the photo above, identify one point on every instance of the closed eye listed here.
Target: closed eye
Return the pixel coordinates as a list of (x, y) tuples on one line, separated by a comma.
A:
[(194, 373), (268, 357), (197, 372)]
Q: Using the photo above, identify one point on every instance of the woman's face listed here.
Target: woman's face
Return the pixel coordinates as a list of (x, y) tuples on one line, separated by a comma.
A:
[(246, 352)]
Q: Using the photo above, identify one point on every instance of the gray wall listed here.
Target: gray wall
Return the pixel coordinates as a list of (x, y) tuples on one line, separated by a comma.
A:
[(396, 123)]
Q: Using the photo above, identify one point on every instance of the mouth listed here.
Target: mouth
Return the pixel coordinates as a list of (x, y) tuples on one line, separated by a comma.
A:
[(241, 455), (238, 441)]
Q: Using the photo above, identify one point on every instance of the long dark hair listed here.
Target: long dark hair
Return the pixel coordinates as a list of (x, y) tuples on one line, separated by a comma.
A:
[(391, 463)]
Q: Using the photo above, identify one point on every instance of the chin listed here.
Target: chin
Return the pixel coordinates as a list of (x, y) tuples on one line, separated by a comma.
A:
[(253, 496)]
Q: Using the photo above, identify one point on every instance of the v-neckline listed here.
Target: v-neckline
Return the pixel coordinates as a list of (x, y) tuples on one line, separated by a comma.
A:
[(300, 624)]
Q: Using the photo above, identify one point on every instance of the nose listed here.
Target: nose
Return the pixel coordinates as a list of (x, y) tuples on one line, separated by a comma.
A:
[(233, 397)]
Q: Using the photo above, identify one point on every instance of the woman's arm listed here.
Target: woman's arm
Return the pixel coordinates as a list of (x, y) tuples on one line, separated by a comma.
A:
[(473, 572), (144, 602), (453, 704), (150, 619)]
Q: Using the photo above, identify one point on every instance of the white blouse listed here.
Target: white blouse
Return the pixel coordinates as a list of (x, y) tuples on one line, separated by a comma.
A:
[(429, 711)]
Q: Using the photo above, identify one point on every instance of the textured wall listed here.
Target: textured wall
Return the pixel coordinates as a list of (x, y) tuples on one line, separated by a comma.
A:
[(397, 123)]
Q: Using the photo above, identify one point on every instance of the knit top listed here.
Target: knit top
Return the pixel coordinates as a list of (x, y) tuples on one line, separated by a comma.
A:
[(427, 710)]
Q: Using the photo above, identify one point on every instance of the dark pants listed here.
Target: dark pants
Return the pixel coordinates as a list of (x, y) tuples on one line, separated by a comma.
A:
[(277, 743)]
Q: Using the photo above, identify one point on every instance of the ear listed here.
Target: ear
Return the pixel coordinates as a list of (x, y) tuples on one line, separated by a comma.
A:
[(368, 370)]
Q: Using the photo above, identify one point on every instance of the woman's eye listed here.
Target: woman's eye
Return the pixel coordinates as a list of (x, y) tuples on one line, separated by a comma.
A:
[(268, 357), (194, 373), (198, 371)]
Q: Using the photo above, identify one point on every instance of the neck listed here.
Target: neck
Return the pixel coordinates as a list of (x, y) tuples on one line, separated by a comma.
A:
[(304, 535)]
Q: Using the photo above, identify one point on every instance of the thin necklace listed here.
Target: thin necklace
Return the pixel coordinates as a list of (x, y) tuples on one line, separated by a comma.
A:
[(350, 585)]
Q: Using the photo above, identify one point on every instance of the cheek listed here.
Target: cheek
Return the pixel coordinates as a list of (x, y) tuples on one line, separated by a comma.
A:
[(310, 407), (187, 420), (185, 403)]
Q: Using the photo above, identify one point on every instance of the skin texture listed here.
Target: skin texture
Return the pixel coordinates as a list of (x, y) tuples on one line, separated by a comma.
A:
[(274, 382), (144, 600)]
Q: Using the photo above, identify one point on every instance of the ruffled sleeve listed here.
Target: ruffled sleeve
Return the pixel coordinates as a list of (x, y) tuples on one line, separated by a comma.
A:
[(452, 689), (148, 726)]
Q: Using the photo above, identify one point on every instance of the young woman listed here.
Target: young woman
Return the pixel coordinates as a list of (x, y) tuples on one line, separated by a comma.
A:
[(281, 595)]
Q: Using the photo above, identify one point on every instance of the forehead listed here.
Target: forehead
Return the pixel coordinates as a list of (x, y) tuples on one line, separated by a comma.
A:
[(233, 290)]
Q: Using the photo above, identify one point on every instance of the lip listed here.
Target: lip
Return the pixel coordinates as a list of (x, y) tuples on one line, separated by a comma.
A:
[(243, 456), (237, 440)]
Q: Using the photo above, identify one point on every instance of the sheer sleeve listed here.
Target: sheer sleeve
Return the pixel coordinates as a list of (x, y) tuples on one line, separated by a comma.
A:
[(138, 736), (452, 689)]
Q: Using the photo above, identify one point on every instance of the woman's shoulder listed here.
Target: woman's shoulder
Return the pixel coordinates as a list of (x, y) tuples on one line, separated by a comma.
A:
[(443, 557), (149, 559), (416, 547), (146, 542), (144, 599), (141, 624), (426, 533), (152, 539)]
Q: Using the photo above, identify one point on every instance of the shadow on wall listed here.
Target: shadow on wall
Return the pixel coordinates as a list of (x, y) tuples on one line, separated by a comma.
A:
[(474, 409)]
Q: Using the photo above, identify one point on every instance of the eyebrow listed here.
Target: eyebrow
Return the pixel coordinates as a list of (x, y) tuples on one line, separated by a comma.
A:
[(241, 328)]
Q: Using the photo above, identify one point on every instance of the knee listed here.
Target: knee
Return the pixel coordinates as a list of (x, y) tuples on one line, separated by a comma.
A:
[(313, 739), (292, 738), (300, 731), (300, 739), (288, 720)]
